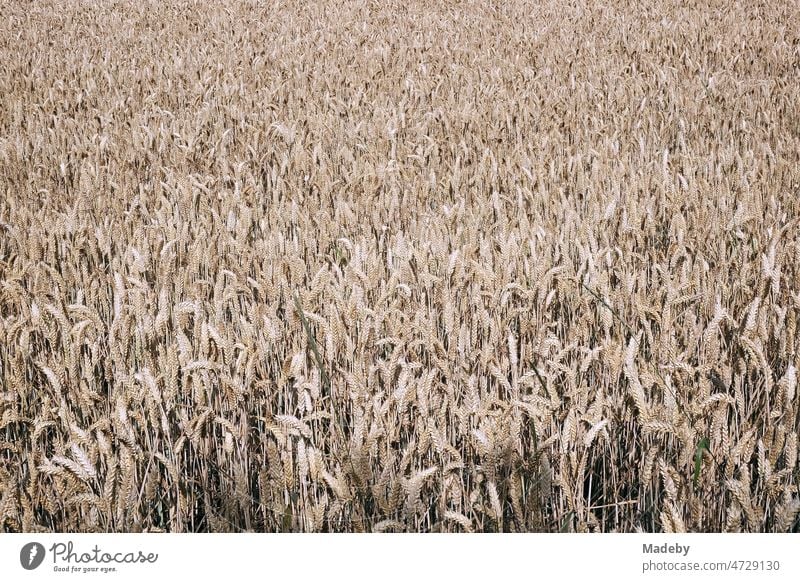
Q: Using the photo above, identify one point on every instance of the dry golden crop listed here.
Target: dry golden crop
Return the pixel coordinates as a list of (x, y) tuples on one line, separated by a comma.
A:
[(399, 266)]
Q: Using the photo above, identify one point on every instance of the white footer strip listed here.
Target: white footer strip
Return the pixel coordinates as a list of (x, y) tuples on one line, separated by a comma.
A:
[(371, 557)]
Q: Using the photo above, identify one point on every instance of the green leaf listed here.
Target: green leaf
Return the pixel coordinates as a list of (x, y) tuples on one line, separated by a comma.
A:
[(698, 458)]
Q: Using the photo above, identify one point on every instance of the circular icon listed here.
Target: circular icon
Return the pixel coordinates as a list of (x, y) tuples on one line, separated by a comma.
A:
[(31, 556)]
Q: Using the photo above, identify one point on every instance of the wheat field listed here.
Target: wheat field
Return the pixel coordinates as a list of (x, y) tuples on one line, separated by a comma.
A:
[(418, 266)]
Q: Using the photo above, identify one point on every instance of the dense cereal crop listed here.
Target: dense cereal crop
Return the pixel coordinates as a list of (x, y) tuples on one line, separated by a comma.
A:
[(399, 266)]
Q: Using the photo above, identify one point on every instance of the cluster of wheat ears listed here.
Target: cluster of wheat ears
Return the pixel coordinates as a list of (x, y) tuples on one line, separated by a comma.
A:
[(399, 266)]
